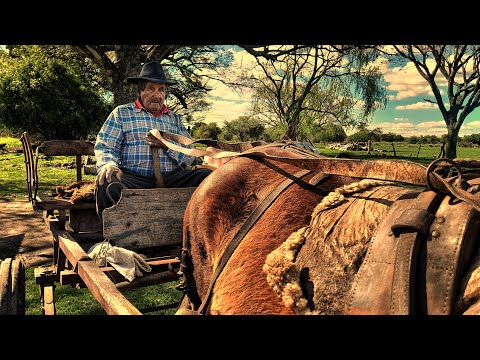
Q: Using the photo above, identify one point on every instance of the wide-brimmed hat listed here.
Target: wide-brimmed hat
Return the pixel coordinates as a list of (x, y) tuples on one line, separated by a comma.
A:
[(152, 71)]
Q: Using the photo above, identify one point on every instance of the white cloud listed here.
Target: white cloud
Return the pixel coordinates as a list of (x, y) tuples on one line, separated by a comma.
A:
[(417, 106), (437, 127), (405, 82), (226, 103), (472, 127), (409, 129)]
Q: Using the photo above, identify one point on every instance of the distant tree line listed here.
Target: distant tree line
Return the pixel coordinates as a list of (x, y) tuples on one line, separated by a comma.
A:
[(247, 128)]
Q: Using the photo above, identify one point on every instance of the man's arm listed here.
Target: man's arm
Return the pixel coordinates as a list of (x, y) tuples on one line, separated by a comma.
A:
[(107, 149)]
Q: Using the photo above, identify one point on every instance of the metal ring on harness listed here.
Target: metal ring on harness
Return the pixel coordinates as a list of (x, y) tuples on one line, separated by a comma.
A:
[(433, 165), (107, 190)]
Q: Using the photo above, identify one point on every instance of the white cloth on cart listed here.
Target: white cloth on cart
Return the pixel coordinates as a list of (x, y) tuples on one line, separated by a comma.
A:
[(126, 262)]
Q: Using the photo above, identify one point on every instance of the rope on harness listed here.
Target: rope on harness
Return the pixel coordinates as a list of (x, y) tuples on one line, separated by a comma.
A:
[(282, 274), (337, 196)]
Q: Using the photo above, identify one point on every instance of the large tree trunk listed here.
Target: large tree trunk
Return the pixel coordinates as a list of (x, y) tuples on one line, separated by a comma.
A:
[(451, 145), (129, 63), (291, 132)]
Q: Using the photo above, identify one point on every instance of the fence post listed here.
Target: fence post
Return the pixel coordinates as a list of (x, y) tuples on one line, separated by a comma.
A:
[(418, 152)]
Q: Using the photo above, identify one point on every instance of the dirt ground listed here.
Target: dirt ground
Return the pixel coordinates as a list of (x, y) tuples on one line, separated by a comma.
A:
[(24, 234)]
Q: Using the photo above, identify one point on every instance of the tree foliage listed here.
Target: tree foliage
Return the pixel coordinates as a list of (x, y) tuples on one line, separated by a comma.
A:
[(473, 138), (331, 132), (244, 128), (202, 130), (192, 66), (50, 93), (324, 82), (364, 134)]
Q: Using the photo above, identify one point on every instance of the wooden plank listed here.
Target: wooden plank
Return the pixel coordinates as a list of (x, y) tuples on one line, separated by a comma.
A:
[(73, 252), (78, 165), (49, 202), (67, 147), (159, 274), (147, 217), (48, 299), (45, 274), (103, 289), (68, 277)]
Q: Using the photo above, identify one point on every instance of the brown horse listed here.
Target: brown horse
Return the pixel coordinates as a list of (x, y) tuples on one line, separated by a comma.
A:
[(302, 253)]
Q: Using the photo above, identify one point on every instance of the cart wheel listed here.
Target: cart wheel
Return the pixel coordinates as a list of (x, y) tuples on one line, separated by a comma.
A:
[(12, 287)]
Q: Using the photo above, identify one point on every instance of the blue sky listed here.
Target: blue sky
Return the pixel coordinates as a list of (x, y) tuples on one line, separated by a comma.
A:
[(406, 112)]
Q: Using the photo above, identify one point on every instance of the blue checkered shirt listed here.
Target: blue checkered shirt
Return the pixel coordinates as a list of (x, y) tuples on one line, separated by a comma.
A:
[(121, 140)]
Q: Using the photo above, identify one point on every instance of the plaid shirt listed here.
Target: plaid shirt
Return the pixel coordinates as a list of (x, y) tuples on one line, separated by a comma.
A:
[(121, 140)]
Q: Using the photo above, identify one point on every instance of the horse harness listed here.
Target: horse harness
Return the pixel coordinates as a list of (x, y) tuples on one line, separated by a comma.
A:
[(419, 252)]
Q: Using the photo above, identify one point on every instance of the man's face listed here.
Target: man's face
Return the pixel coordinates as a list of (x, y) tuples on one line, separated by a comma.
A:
[(153, 97)]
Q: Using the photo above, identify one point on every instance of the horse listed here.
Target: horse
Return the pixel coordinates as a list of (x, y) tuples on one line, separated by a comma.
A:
[(267, 236), (303, 254)]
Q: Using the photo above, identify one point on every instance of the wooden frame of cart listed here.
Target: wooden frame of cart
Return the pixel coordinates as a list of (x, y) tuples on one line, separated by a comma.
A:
[(75, 227)]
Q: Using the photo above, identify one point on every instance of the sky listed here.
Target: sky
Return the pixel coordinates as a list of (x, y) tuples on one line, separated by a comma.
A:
[(406, 112)]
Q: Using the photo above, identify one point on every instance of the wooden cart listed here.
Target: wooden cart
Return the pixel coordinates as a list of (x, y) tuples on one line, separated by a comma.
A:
[(147, 221)]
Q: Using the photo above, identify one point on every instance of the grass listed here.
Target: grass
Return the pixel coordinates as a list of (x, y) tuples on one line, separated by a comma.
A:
[(426, 153), (61, 171), (52, 171), (72, 301)]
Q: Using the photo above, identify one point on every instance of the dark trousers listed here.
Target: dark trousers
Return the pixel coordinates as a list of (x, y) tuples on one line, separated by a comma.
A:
[(109, 194)]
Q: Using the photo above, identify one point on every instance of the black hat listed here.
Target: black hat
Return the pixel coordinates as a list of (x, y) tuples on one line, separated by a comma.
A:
[(151, 71)]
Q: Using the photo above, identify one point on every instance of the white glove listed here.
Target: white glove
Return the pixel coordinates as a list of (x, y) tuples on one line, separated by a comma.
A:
[(127, 262)]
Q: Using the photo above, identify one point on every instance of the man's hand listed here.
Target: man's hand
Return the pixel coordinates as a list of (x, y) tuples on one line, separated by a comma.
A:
[(153, 141), (106, 172)]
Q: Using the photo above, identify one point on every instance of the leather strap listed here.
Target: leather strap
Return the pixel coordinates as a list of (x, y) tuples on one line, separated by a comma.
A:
[(449, 249), (411, 226), (246, 226), (385, 282), (156, 167), (392, 170)]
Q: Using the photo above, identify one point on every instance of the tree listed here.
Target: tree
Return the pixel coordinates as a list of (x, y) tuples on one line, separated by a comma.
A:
[(331, 132), (363, 135), (473, 138), (392, 137), (191, 66), (206, 131), (244, 128), (458, 66), (50, 93), (324, 81)]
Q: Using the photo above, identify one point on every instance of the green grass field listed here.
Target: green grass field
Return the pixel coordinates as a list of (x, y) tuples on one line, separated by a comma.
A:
[(423, 154), (61, 171)]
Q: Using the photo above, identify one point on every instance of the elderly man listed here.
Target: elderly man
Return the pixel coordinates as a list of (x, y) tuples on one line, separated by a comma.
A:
[(122, 149)]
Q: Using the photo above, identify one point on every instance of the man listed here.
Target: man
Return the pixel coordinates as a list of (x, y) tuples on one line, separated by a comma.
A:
[(122, 149)]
